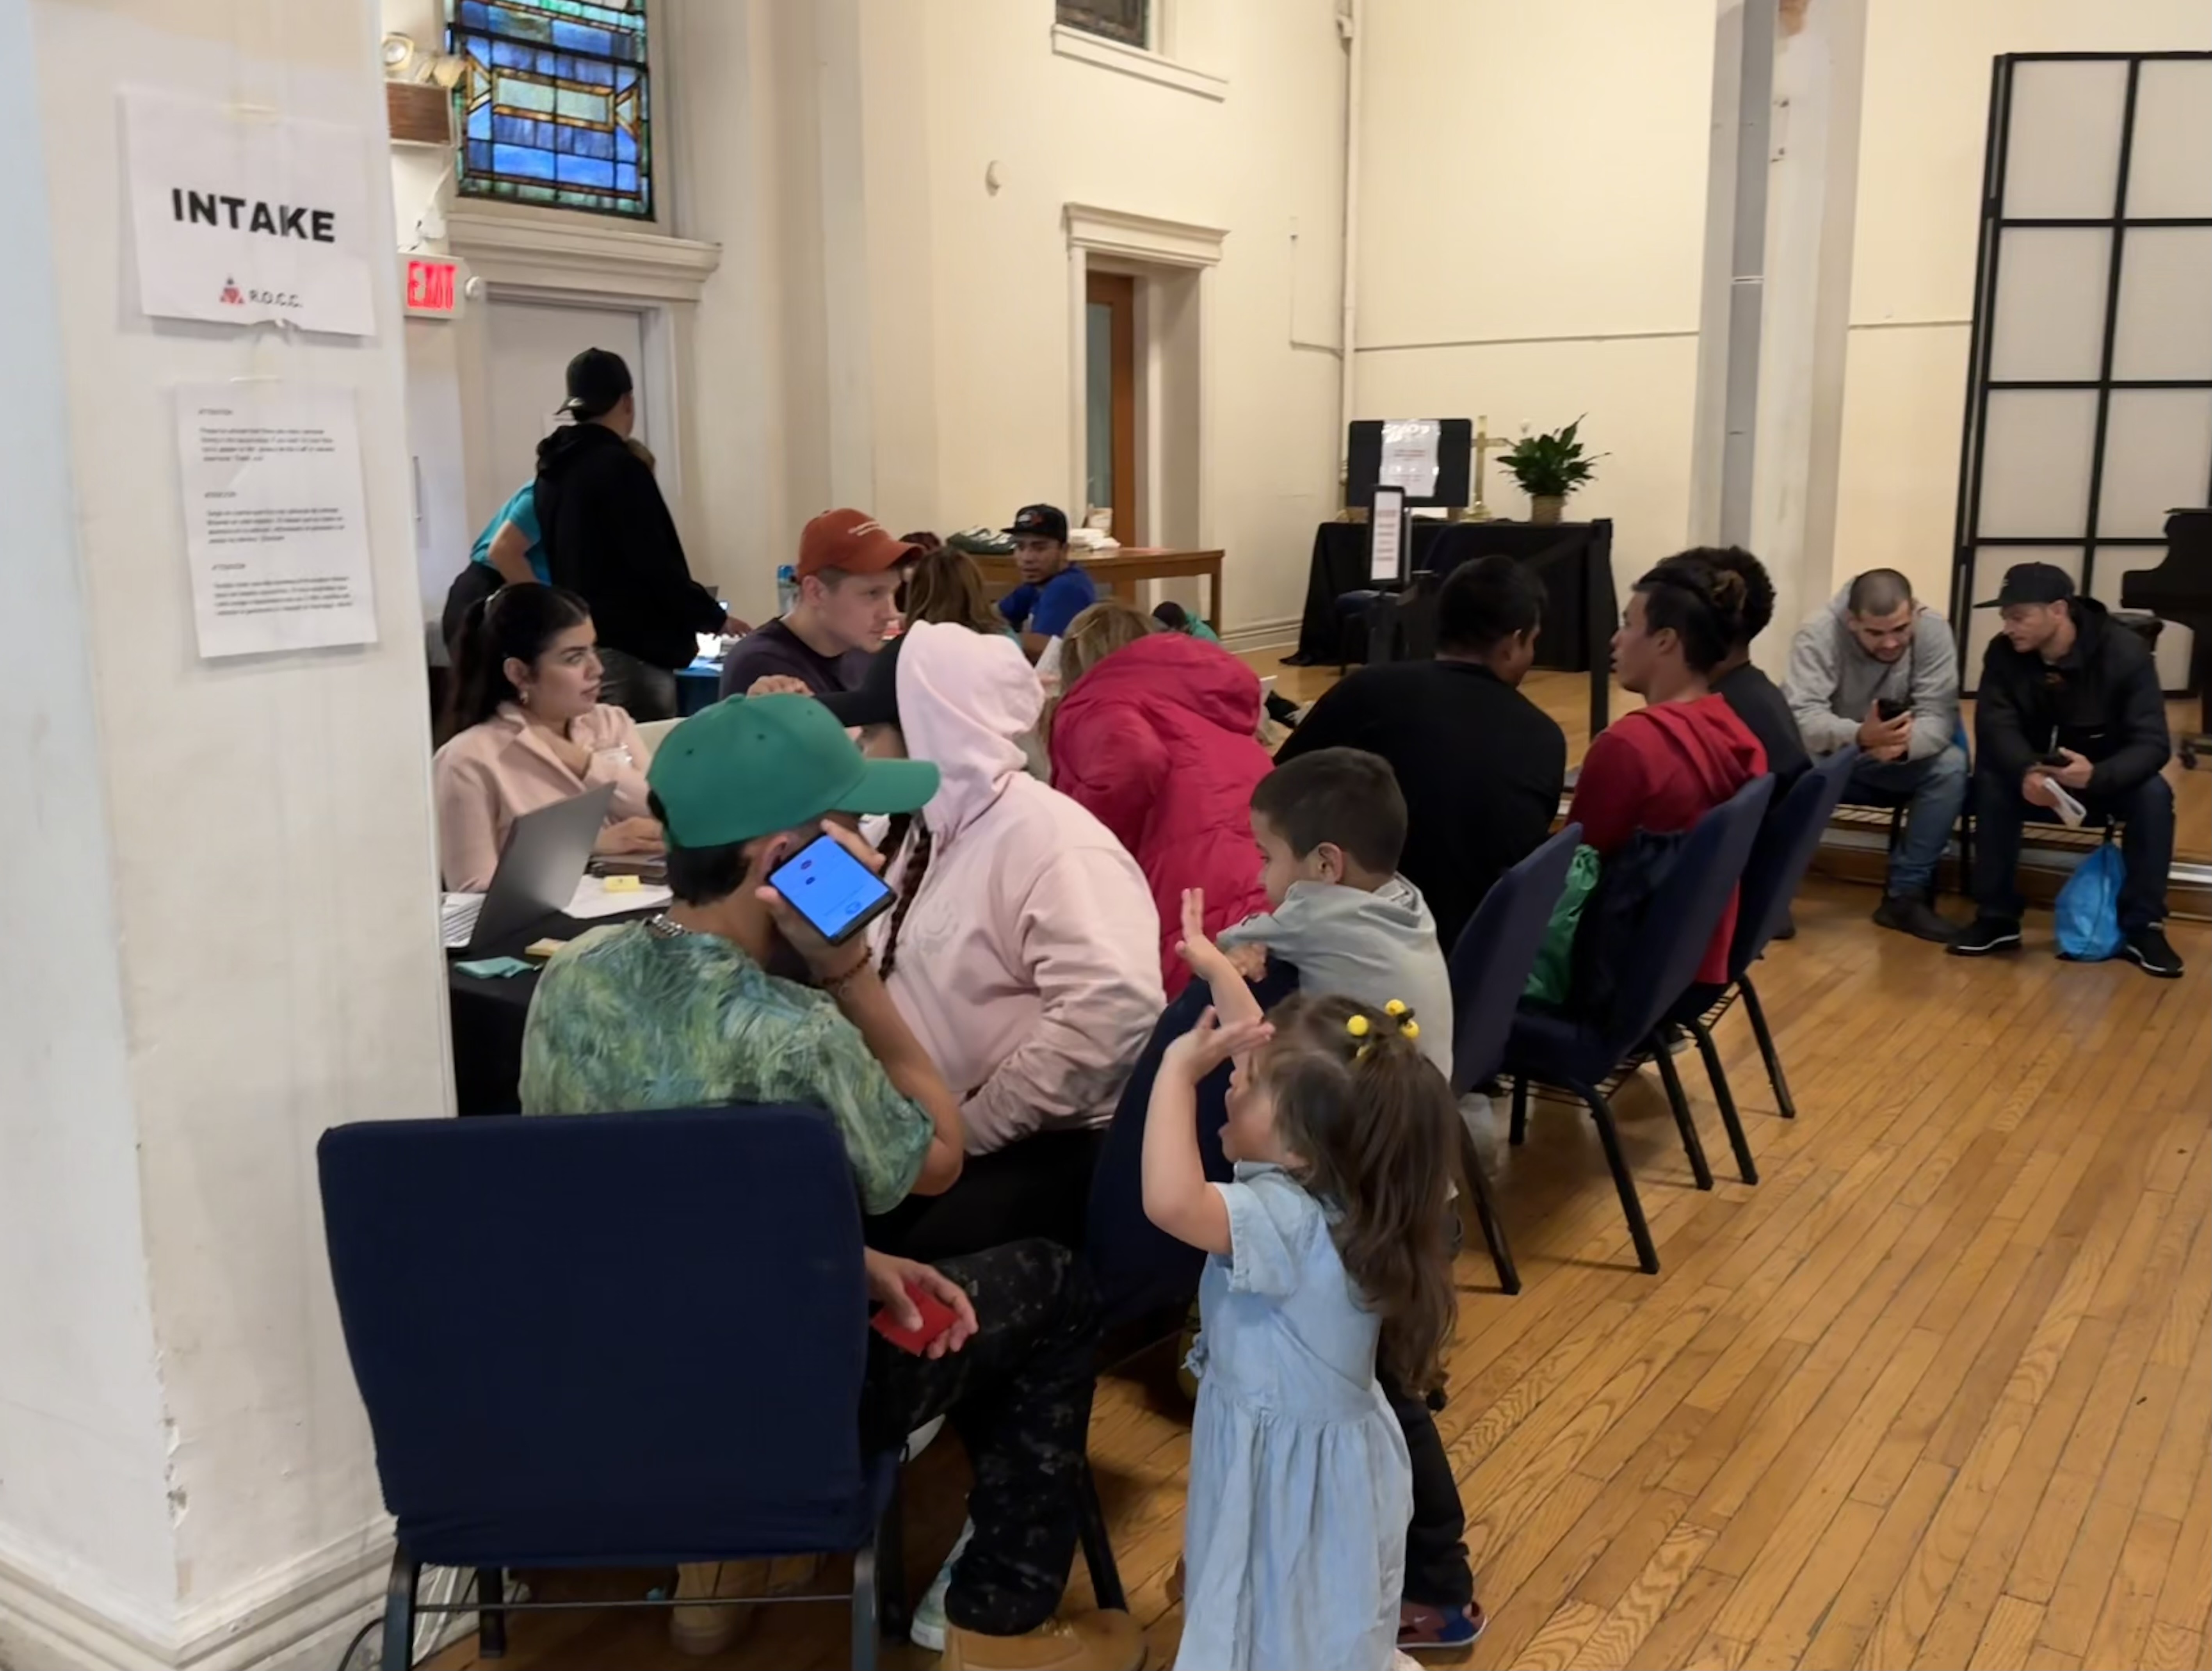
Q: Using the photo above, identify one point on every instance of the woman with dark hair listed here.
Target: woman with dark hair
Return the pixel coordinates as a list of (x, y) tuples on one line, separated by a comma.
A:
[(1668, 764), (525, 728)]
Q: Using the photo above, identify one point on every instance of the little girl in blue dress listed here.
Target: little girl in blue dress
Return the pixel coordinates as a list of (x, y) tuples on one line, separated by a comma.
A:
[(1328, 1246)]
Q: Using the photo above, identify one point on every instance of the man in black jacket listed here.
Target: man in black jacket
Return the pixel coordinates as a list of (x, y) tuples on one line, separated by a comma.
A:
[(1481, 767), (2070, 701), (609, 539)]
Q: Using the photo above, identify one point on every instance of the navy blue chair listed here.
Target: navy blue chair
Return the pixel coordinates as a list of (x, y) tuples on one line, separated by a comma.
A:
[(1489, 968), (628, 1416), (1779, 860), (1137, 1267), (1579, 1055)]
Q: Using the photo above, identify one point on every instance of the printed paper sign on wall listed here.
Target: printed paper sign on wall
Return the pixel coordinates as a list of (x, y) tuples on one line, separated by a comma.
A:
[(240, 217)]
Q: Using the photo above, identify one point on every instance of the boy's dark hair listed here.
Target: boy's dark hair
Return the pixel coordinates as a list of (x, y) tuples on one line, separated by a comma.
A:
[(1346, 796), (1484, 603), (1703, 606), (701, 876), (1757, 588)]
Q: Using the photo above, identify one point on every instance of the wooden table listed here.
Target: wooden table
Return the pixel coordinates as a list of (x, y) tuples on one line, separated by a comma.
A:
[(1122, 572)]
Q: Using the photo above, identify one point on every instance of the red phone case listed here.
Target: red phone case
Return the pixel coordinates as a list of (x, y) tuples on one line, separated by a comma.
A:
[(936, 1318)]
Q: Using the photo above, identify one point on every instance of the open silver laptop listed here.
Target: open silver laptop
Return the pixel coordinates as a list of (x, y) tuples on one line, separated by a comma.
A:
[(544, 859)]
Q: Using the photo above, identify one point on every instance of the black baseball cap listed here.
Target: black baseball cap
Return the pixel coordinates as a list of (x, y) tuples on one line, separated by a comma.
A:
[(1041, 522), (597, 379), (2031, 583), (874, 700)]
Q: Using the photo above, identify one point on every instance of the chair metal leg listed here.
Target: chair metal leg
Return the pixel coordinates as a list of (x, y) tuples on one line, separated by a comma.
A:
[(1679, 1101), (1098, 1547), (1746, 1167), (1519, 1130), (399, 1612), (491, 1618), (891, 1599), (864, 1610), (1757, 1011), (1486, 1212), (1647, 1255)]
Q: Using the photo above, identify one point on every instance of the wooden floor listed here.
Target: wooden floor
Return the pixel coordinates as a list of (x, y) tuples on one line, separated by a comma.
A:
[(1937, 1392)]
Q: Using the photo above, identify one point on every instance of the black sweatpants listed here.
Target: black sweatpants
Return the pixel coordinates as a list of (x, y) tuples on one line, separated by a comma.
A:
[(1437, 1571), (1018, 1394)]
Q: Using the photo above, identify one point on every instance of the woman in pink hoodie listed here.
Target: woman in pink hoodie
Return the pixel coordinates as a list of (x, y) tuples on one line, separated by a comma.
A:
[(1023, 949)]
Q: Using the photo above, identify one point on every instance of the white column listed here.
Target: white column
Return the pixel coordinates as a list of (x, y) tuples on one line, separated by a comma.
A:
[(1766, 467), (217, 896)]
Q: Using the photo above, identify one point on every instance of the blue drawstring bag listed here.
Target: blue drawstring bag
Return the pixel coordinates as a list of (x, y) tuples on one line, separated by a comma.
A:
[(2089, 907)]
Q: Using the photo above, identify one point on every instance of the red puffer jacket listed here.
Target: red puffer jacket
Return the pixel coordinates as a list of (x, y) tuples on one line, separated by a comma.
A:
[(1159, 742)]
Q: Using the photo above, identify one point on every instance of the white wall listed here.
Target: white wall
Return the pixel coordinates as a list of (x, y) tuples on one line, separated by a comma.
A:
[(884, 329), (266, 850), (1531, 235), (1920, 174)]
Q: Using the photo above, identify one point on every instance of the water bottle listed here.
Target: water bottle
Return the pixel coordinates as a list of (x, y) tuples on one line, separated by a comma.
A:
[(786, 589)]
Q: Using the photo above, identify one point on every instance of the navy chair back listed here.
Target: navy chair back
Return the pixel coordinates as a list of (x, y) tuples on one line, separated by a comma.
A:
[(1496, 951), (1683, 918), (1136, 1266), (612, 1339), (1783, 854)]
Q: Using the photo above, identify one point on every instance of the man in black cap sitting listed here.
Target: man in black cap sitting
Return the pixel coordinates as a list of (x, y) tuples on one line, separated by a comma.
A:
[(2069, 702), (609, 539), (1054, 591)]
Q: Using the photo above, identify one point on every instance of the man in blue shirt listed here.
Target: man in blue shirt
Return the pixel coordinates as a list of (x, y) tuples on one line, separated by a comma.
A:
[(1054, 591)]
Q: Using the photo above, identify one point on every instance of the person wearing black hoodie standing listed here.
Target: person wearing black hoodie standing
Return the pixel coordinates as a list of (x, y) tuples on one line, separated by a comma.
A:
[(609, 539), (2070, 699)]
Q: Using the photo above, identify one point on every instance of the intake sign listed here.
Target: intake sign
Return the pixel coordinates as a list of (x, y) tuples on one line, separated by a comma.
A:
[(274, 521), (242, 217)]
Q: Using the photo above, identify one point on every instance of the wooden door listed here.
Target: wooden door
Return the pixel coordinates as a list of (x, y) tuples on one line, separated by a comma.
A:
[(1110, 400)]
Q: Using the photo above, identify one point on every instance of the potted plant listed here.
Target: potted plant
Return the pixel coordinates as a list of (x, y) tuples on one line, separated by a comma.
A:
[(1548, 467)]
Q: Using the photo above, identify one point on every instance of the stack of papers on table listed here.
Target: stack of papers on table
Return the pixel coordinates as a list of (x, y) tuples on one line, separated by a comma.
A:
[(458, 913)]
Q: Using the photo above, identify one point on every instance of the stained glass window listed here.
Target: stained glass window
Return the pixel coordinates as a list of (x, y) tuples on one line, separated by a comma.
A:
[(553, 103)]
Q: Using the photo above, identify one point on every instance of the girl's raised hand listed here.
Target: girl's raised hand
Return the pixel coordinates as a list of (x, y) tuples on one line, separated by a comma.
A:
[(1209, 1044)]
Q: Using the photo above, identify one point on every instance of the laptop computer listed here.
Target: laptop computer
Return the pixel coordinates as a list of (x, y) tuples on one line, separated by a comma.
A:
[(539, 866)]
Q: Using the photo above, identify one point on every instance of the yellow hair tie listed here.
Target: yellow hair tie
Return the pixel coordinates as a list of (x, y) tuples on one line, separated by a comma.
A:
[(1396, 1006), (1357, 1026), (1411, 1028)]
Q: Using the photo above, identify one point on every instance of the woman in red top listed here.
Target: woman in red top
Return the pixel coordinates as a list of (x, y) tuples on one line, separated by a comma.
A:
[(1159, 739), (1665, 766)]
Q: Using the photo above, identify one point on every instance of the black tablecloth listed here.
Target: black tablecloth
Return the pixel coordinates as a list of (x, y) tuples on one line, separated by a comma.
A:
[(1575, 560), (488, 1018), (1572, 583)]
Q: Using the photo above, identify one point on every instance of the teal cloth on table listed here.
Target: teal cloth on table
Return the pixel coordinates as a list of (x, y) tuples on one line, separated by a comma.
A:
[(493, 968)]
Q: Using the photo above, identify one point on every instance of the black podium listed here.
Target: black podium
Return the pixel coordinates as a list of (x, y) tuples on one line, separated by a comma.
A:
[(1573, 559)]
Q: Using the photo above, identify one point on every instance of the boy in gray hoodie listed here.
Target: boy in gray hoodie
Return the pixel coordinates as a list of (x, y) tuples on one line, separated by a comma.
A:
[(1879, 669), (1330, 825)]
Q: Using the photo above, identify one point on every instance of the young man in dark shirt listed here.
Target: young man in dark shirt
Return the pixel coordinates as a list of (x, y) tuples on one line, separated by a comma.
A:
[(1481, 767), (848, 581)]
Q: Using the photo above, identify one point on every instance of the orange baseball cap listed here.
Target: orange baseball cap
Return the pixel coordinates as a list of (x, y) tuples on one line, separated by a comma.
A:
[(853, 542)]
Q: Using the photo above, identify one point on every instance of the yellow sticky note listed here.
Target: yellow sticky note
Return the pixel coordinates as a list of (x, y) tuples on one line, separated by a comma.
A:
[(619, 885)]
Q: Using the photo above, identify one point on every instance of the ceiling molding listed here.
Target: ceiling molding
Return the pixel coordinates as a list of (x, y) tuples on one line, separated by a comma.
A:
[(1142, 237), (580, 253)]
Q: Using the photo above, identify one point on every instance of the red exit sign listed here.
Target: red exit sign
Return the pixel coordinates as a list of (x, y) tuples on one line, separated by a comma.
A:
[(433, 288)]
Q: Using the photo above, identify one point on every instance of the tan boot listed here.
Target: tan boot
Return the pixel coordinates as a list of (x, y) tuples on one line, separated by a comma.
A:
[(1080, 1642), (703, 1630)]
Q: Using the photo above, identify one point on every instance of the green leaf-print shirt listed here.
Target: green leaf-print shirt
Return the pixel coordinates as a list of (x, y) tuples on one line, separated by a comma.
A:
[(623, 1019)]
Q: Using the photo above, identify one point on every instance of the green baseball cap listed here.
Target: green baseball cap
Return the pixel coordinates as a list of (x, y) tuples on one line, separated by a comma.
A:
[(752, 766)]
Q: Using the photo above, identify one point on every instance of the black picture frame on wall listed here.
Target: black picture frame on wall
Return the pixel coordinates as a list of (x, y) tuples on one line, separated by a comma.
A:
[(1969, 539)]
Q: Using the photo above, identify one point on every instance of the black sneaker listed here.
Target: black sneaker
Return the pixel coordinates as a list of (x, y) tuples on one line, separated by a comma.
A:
[(1985, 935), (1908, 914), (2148, 951)]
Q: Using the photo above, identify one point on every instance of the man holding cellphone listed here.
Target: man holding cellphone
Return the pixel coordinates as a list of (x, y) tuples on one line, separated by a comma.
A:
[(2069, 700), (681, 1011), (1878, 668)]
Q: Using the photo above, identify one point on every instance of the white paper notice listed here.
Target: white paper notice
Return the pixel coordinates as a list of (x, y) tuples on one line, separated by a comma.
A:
[(1409, 456), (275, 526), (240, 217), (1386, 531)]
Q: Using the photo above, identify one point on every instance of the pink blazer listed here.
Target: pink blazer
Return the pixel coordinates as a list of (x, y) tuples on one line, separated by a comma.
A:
[(492, 774)]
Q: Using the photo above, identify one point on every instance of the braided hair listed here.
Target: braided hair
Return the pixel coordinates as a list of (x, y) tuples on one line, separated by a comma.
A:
[(902, 827)]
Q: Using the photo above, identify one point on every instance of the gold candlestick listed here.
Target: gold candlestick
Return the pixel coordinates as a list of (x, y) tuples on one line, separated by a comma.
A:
[(1484, 440)]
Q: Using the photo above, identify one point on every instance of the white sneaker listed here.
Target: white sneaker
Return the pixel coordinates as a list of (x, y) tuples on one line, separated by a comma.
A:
[(927, 1630)]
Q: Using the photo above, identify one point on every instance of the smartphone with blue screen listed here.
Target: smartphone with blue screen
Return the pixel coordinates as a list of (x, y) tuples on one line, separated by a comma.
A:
[(837, 894)]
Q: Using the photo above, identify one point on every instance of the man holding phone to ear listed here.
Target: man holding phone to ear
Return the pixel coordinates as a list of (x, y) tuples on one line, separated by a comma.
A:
[(1877, 668), (681, 1011)]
